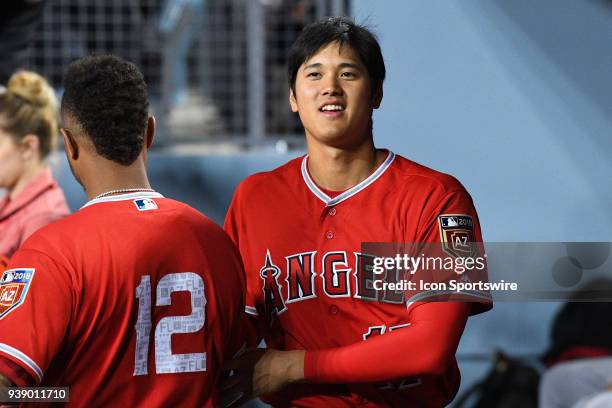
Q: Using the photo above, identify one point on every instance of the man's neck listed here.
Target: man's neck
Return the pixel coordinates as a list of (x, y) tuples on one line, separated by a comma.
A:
[(111, 176), (340, 169)]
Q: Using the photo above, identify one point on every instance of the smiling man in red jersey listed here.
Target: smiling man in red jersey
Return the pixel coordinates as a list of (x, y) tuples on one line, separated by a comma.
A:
[(333, 341)]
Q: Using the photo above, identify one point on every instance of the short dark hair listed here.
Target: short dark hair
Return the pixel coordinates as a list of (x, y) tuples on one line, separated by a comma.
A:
[(343, 30), (107, 96)]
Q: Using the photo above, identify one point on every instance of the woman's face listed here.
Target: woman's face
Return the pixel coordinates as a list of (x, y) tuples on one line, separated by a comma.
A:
[(11, 161)]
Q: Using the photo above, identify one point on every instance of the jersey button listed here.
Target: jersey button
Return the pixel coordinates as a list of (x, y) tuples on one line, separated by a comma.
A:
[(333, 309), (332, 211), (329, 234)]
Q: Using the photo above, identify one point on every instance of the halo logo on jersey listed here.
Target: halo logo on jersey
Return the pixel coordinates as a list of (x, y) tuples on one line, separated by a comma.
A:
[(270, 273), (457, 234), (145, 204), (14, 285)]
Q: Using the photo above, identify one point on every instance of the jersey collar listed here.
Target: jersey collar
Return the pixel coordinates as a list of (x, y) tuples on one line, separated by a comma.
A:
[(123, 197), (351, 191)]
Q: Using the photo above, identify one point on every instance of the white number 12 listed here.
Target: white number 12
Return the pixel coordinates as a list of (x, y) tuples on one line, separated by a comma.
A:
[(165, 361)]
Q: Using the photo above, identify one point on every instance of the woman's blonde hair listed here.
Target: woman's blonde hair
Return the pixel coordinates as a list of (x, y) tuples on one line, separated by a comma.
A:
[(29, 106)]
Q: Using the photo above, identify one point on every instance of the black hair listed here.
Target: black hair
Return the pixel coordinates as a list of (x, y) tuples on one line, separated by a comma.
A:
[(343, 30), (107, 96)]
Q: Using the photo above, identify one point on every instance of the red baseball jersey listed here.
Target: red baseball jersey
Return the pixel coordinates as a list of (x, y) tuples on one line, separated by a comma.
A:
[(307, 280), (134, 300)]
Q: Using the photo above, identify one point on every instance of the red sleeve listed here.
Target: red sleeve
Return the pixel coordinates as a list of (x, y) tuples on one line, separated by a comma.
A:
[(233, 227), (456, 202), (32, 328), (427, 346), (451, 215), (15, 374)]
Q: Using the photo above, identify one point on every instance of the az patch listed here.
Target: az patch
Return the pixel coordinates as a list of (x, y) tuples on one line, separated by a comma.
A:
[(457, 235), (14, 285)]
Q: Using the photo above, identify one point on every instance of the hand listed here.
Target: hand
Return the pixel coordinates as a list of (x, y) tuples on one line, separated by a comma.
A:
[(236, 383), (277, 369), (260, 371), (4, 384)]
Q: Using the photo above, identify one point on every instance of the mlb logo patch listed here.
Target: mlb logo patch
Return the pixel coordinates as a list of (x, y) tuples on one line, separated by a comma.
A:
[(14, 285), (145, 204), (457, 235)]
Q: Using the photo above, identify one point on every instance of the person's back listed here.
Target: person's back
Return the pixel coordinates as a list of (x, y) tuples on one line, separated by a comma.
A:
[(135, 301)]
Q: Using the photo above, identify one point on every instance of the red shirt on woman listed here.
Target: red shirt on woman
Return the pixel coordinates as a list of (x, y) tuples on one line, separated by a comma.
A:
[(40, 203)]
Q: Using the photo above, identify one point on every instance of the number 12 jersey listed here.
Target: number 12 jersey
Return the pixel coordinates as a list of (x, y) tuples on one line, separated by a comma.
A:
[(134, 300)]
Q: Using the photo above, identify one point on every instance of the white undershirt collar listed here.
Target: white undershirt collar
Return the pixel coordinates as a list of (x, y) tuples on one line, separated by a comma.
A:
[(123, 197)]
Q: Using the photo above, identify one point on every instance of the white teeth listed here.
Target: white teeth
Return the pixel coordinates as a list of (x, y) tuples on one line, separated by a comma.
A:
[(332, 108)]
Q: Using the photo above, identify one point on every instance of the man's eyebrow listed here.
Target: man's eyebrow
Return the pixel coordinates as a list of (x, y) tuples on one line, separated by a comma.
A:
[(342, 65), (349, 65), (315, 65)]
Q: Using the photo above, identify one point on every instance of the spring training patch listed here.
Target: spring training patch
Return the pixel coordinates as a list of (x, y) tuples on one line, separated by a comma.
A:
[(457, 235), (14, 285)]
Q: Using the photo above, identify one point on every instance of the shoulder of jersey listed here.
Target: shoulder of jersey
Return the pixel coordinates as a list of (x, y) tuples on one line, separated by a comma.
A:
[(78, 224), (53, 235), (425, 177), (194, 214), (266, 181)]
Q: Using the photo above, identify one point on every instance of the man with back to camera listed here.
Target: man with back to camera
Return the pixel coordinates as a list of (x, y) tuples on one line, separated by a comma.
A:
[(300, 227), (134, 300)]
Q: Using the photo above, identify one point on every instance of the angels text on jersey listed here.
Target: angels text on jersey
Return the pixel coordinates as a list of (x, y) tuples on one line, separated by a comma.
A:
[(342, 275)]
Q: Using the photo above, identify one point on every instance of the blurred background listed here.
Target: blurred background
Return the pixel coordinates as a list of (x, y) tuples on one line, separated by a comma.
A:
[(514, 98)]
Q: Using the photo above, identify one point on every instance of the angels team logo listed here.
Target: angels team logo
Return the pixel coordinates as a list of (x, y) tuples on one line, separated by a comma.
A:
[(339, 276), (457, 235), (270, 273), (14, 285)]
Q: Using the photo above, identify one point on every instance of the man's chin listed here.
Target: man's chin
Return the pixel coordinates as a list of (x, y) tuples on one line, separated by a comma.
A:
[(331, 136), (340, 140)]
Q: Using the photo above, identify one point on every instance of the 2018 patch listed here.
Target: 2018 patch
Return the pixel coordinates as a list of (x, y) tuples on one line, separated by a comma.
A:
[(457, 235), (14, 285)]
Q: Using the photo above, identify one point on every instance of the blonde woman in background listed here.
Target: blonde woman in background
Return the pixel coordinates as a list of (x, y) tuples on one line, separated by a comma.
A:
[(28, 133)]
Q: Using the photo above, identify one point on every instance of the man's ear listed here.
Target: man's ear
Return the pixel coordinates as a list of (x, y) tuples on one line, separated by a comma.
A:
[(377, 97), (30, 147), (150, 132), (292, 101), (70, 144)]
